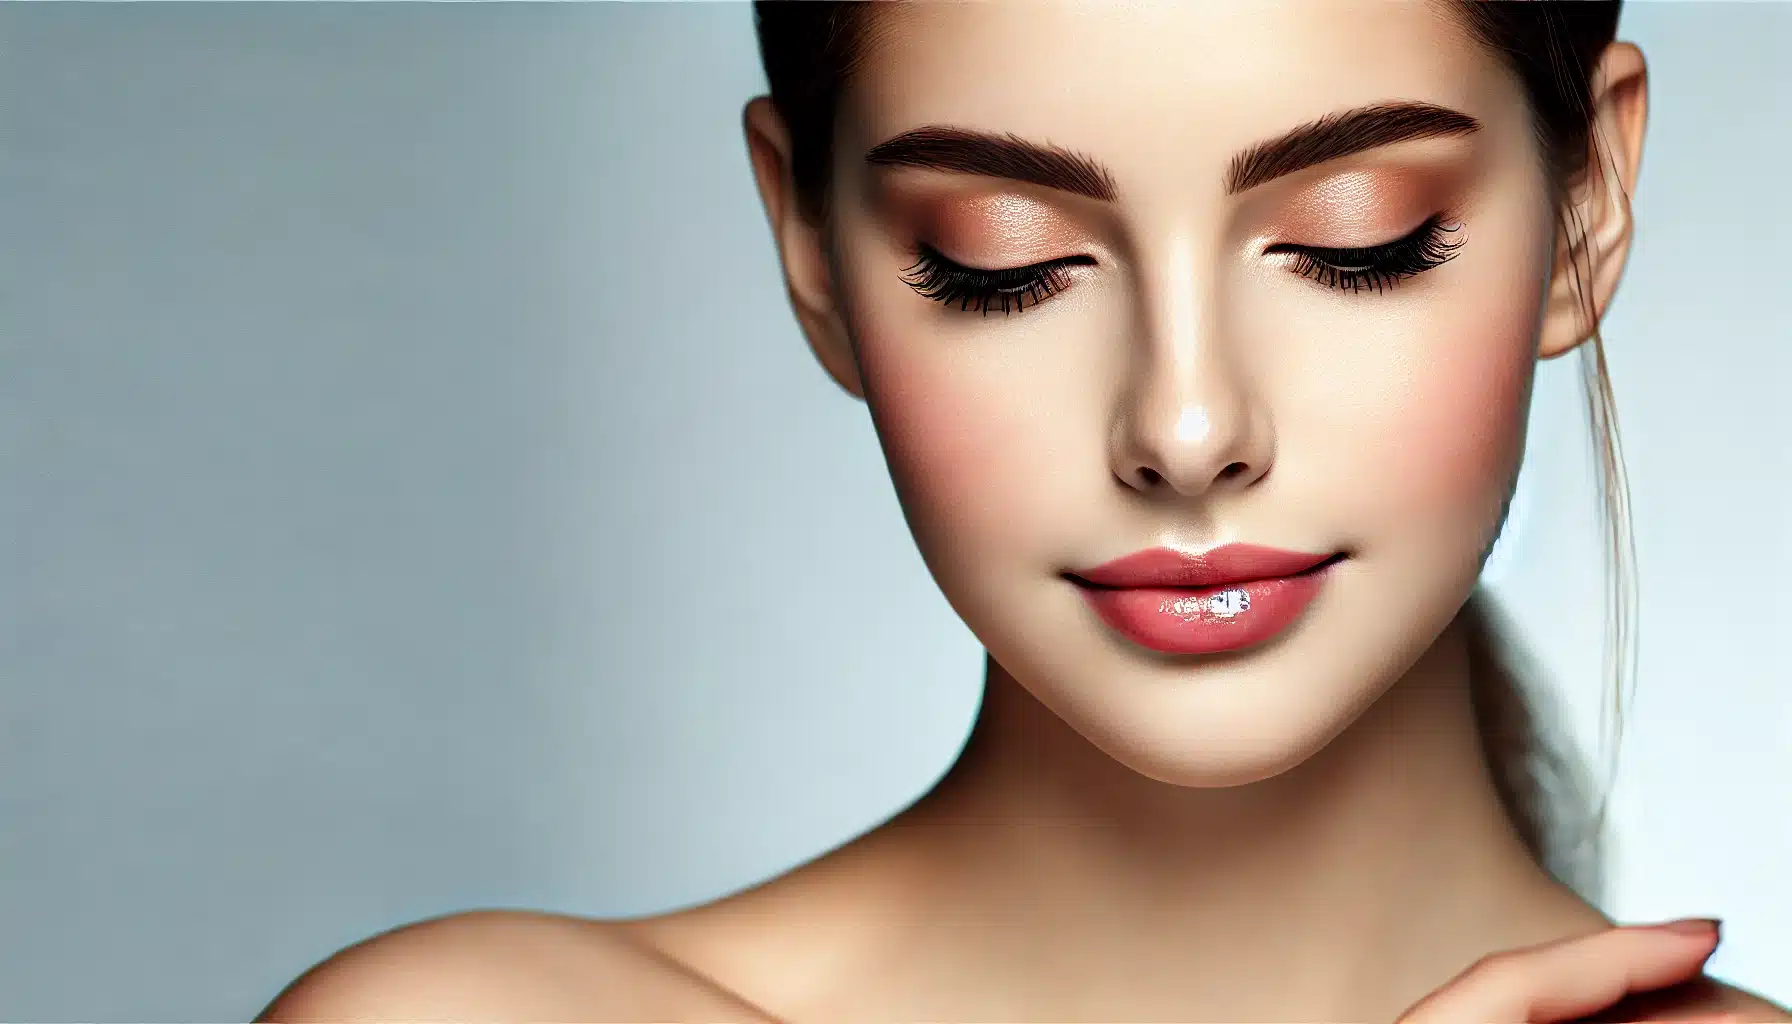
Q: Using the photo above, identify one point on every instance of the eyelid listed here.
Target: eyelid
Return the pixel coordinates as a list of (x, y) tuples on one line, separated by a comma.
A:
[(1374, 267), (935, 254), (1380, 266), (991, 221), (1424, 227), (942, 279)]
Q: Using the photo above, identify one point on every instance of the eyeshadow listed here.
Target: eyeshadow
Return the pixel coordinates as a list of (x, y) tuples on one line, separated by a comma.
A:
[(982, 225), (1361, 206)]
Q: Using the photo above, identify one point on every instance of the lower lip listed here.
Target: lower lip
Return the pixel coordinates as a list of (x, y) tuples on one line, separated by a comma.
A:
[(1206, 620)]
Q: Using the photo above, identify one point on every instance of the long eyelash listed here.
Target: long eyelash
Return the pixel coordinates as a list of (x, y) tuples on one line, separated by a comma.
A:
[(1373, 268), (1376, 267), (1011, 289)]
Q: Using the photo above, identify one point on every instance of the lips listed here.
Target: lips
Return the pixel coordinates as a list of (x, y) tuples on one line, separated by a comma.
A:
[(1225, 599), (1232, 563)]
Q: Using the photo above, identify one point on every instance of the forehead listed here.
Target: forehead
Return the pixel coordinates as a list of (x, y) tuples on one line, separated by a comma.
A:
[(1141, 82)]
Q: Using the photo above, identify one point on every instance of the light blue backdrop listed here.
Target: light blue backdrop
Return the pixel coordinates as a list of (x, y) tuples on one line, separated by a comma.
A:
[(375, 381)]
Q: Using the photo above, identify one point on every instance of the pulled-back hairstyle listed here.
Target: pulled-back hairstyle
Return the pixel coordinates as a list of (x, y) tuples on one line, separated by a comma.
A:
[(812, 48)]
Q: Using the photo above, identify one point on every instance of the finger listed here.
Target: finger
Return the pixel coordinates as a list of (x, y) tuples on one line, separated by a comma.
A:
[(1563, 980)]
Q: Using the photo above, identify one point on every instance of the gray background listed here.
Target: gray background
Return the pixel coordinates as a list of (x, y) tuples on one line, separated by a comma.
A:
[(381, 385)]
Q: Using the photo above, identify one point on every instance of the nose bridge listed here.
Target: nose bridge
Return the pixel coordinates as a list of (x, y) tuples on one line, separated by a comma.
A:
[(1187, 421)]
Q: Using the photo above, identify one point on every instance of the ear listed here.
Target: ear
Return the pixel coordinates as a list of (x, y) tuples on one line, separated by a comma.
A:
[(802, 246), (1600, 226)]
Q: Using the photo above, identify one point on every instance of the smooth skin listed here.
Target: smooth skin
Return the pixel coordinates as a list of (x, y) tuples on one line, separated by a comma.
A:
[(1301, 831)]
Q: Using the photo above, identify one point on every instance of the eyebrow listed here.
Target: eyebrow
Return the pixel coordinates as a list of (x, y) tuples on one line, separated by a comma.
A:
[(1006, 155)]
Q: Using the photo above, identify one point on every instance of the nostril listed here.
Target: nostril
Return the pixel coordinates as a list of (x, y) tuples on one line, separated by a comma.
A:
[(1151, 476), (1231, 471)]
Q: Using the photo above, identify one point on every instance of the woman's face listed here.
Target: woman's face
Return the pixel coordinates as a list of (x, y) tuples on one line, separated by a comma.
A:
[(1197, 364)]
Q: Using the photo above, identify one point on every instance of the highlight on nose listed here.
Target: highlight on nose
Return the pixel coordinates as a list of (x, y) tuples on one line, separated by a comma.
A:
[(1190, 453), (1192, 425)]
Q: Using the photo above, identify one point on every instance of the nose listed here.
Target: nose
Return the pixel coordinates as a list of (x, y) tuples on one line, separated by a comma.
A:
[(1188, 423)]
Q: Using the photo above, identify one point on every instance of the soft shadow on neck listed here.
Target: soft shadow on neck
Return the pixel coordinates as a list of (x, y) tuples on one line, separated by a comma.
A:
[(1409, 773), (1397, 843), (1463, 739), (1043, 879)]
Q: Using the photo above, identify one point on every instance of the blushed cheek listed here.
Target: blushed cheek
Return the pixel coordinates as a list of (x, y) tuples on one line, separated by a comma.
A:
[(1457, 439), (961, 446)]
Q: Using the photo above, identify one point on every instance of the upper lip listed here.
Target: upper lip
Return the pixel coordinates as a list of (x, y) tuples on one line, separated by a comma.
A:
[(1229, 563)]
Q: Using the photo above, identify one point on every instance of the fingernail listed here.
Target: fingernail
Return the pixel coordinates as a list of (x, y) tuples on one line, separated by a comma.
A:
[(1694, 926)]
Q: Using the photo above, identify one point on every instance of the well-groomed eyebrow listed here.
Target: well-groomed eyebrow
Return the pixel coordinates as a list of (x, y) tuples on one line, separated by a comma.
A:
[(968, 151), (1343, 134), (998, 155)]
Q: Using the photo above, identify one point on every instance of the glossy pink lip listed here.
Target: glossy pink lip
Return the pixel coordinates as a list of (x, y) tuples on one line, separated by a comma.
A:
[(1226, 599)]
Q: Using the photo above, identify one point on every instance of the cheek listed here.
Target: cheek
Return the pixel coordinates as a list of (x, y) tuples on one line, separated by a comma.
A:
[(940, 448), (1452, 443), (969, 446)]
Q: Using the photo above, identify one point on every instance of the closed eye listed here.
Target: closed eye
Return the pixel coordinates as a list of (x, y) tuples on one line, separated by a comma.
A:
[(1375, 267), (1009, 289)]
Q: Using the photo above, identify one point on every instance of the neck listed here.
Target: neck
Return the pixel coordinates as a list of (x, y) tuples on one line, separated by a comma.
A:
[(1391, 846), (1042, 879), (1408, 774)]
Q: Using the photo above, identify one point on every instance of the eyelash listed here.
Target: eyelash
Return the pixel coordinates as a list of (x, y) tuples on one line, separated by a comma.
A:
[(942, 280), (1374, 267)]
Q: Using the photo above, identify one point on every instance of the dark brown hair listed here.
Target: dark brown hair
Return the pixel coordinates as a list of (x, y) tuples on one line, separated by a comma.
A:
[(811, 49)]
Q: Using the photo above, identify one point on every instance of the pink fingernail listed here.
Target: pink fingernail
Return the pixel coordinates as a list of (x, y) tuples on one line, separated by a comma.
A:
[(1694, 926)]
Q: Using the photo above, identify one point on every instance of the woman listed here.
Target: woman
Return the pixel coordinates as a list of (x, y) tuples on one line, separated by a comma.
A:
[(1200, 342)]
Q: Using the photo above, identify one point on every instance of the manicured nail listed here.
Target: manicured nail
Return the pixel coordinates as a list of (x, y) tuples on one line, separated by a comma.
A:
[(1694, 926)]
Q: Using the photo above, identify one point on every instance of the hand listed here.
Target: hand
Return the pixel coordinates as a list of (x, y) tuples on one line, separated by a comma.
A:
[(1572, 978)]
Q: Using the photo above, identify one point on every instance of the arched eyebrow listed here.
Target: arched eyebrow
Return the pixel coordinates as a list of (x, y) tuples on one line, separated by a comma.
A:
[(1005, 155)]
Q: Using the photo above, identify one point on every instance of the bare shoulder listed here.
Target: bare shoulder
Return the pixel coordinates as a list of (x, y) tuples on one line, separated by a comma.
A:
[(504, 965), (1736, 1004), (1702, 1000)]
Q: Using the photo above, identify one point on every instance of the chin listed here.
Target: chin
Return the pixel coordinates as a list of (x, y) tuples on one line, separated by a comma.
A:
[(1211, 771), (1221, 726), (1234, 747), (1237, 718)]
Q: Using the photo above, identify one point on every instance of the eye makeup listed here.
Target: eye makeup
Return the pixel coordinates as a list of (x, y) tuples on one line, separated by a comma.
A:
[(1366, 203), (1353, 269), (943, 280), (1375, 267), (1323, 229), (976, 221)]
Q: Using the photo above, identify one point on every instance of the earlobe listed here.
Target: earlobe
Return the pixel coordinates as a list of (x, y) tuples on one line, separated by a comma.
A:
[(1572, 307), (1593, 240), (802, 248)]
